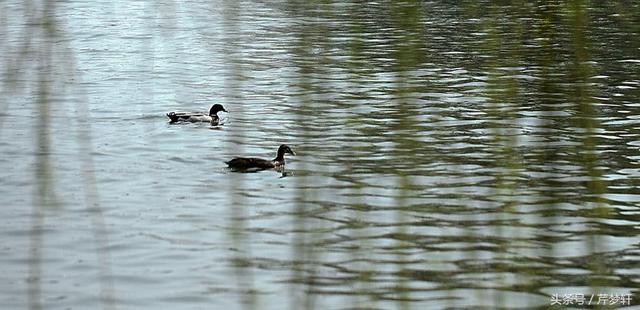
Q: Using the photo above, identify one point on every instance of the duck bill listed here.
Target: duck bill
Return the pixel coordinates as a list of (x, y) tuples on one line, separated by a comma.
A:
[(293, 153)]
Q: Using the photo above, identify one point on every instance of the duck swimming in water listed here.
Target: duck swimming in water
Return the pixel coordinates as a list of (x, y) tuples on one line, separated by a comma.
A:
[(251, 163), (195, 117)]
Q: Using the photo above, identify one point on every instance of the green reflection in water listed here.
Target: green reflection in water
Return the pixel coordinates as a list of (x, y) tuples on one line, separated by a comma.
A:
[(503, 93), (562, 64), (406, 17), (41, 58), (241, 262), (505, 25), (587, 156)]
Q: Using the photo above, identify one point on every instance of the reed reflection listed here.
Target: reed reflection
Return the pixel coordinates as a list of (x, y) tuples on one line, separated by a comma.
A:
[(38, 65)]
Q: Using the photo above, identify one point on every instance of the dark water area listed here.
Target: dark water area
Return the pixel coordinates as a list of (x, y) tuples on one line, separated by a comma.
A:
[(450, 155)]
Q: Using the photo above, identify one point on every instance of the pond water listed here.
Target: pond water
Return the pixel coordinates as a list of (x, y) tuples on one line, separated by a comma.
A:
[(477, 154)]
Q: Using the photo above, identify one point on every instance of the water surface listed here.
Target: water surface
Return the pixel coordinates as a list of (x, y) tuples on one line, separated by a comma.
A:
[(477, 154)]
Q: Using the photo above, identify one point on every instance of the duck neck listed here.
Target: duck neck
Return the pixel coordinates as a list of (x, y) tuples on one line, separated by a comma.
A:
[(280, 157)]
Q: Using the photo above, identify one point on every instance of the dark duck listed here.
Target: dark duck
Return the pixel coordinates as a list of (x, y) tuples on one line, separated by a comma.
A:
[(251, 163), (195, 117)]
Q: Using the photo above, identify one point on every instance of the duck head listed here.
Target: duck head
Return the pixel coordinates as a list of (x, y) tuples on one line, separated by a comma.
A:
[(285, 149), (215, 109)]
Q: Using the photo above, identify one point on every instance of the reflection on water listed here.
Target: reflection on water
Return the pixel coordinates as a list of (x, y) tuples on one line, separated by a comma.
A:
[(477, 154)]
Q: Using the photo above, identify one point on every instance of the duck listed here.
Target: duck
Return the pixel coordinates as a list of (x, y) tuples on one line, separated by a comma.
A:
[(252, 163), (195, 117)]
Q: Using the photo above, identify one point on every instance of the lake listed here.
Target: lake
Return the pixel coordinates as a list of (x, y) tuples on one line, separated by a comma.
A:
[(462, 154)]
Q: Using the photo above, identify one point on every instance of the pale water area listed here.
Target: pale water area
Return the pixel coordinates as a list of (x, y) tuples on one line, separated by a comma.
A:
[(450, 155)]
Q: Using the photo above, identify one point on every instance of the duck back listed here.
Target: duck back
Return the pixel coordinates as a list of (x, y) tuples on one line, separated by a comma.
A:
[(250, 162)]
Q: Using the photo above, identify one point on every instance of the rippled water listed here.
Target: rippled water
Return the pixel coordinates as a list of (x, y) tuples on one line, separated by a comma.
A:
[(449, 155)]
